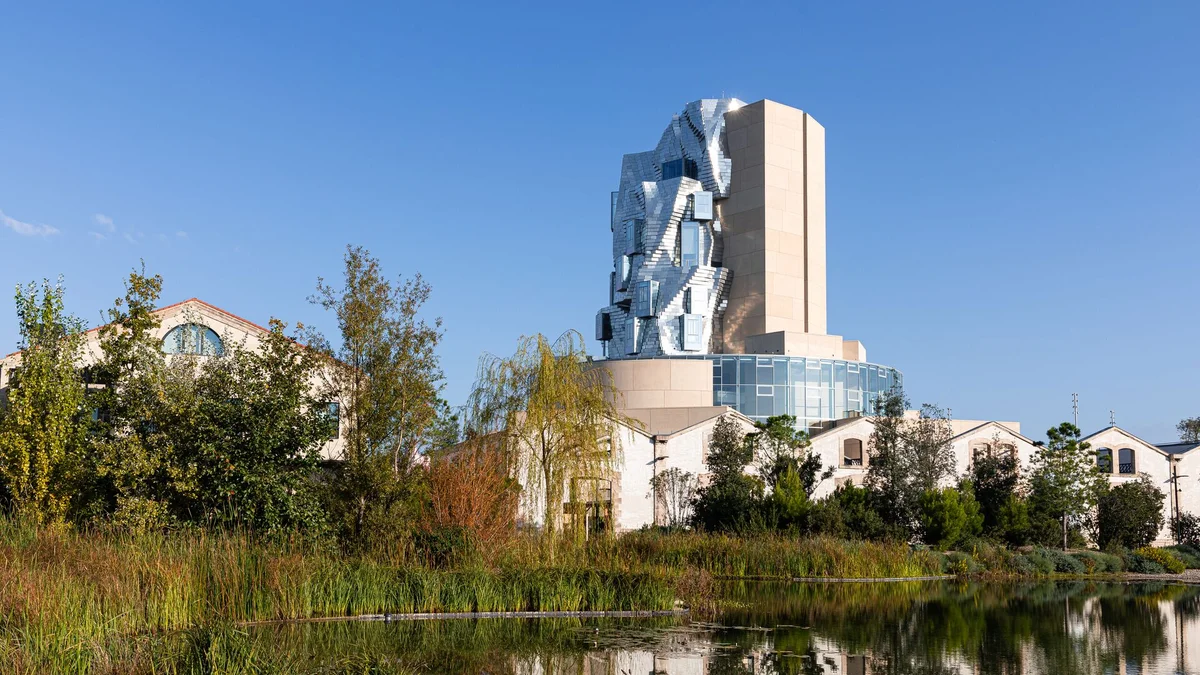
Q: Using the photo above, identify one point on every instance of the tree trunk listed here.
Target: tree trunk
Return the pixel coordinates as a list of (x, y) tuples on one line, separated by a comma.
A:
[(1064, 528)]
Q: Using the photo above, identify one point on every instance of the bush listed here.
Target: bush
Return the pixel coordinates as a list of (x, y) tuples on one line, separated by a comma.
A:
[(1013, 525), (851, 512), (949, 516), (1099, 563), (1163, 557), (446, 547), (959, 564), (1038, 561), (1190, 555), (1141, 565), (1186, 529), (1130, 514), (1024, 565), (1057, 561)]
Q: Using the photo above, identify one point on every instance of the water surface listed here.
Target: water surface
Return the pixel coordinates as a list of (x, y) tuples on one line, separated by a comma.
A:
[(843, 629)]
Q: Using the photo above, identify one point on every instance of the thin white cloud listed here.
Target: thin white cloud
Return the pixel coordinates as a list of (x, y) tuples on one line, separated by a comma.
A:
[(129, 238), (181, 234), (26, 229), (106, 222)]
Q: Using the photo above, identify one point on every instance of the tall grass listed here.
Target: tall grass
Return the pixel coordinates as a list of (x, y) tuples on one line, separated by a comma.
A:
[(97, 602), (766, 556)]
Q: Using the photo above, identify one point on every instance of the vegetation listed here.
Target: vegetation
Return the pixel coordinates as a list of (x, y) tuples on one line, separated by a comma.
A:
[(1065, 483), (1189, 430), (386, 371), (41, 432), (553, 414), (154, 503), (1130, 514)]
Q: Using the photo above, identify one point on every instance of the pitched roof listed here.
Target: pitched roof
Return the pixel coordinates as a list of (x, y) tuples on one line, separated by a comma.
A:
[(167, 308), (1176, 448), (1145, 444), (993, 423)]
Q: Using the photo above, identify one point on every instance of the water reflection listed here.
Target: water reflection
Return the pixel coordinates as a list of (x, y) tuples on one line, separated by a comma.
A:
[(853, 629)]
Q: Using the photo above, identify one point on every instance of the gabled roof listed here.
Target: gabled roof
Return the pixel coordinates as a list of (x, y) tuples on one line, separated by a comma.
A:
[(1131, 437), (992, 424), (718, 411), (1177, 448), (190, 301)]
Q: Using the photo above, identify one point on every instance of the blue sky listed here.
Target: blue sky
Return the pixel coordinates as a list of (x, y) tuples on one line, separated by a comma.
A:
[(1013, 190)]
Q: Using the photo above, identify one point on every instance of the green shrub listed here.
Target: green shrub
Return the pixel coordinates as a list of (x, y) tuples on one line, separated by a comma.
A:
[(1141, 565), (1186, 529), (1027, 566), (1163, 557), (1130, 514), (949, 516), (1190, 555), (959, 564), (1095, 562), (1056, 561)]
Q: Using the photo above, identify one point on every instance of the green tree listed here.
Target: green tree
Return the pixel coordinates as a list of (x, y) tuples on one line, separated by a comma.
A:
[(995, 478), (387, 373), (256, 434), (948, 516), (778, 447), (1013, 525), (553, 412), (1064, 483), (1189, 430), (41, 425), (927, 451), (731, 498), (134, 477), (673, 492), (908, 457), (888, 472), (1130, 514)]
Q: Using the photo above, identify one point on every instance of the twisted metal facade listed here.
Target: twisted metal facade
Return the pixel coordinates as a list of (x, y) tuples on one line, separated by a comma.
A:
[(667, 288)]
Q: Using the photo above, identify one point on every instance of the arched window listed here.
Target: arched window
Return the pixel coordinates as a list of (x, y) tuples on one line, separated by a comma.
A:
[(980, 449), (1125, 460), (1104, 460), (852, 452), (193, 338), (1007, 449)]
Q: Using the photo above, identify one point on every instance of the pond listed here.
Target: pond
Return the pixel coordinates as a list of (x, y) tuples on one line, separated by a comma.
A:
[(847, 629)]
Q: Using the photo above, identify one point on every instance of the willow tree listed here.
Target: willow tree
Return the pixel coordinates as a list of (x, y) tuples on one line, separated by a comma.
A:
[(41, 425), (553, 412)]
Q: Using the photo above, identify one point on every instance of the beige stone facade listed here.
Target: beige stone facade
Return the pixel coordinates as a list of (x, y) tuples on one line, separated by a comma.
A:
[(229, 328), (774, 231)]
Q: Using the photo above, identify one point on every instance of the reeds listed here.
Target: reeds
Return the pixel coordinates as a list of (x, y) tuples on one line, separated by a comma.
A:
[(98, 602)]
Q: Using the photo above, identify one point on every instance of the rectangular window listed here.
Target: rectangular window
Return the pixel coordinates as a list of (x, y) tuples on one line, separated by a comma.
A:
[(680, 167), (635, 233), (624, 272), (632, 330), (331, 414), (702, 206), (645, 299), (692, 331), (689, 246), (603, 326), (612, 212)]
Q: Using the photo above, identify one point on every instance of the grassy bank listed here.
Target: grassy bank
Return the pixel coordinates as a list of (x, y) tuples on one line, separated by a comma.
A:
[(97, 602), (92, 602)]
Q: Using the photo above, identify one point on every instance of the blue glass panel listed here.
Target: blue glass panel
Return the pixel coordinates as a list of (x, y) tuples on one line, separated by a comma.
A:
[(781, 371), (746, 370)]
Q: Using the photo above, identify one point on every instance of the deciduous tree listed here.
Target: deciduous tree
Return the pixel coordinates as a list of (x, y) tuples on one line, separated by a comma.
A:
[(554, 414), (41, 424), (1065, 483), (388, 375)]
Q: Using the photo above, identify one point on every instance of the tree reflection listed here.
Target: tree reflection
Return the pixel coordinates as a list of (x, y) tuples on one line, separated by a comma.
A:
[(804, 629)]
